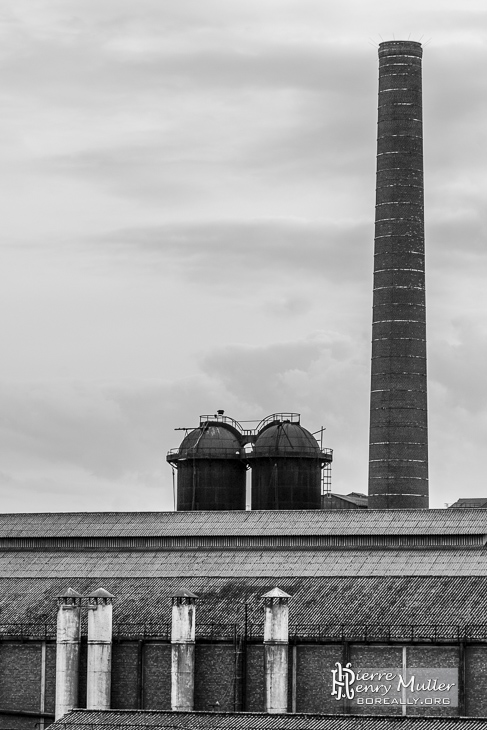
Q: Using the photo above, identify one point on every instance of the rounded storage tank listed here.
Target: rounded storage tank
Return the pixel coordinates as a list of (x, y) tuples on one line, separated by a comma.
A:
[(286, 468), (211, 473)]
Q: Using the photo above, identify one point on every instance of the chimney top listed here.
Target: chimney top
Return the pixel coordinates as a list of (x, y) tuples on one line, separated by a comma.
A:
[(69, 593), (276, 593), (184, 593), (400, 48), (100, 593)]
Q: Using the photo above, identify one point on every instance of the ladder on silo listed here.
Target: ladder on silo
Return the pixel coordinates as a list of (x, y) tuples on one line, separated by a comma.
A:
[(326, 480)]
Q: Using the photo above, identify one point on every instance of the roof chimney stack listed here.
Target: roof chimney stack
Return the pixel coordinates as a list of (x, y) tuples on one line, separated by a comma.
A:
[(98, 687), (67, 651), (183, 650), (276, 644)]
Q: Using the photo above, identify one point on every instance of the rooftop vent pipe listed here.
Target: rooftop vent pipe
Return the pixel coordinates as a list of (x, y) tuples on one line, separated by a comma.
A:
[(99, 677), (67, 651), (276, 640), (182, 650)]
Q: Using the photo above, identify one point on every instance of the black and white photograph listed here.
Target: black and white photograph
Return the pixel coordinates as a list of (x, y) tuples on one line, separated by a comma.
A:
[(243, 372)]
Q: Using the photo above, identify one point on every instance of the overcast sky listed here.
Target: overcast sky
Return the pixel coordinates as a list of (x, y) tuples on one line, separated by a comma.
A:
[(187, 206)]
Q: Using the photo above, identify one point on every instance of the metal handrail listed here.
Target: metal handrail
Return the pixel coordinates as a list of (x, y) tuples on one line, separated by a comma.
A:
[(322, 632), (217, 418), (279, 417), (45, 630), (216, 631), (143, 630), (277, 451)]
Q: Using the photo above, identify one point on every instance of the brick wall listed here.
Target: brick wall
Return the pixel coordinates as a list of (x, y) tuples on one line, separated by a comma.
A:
[(125, 682), (254, 695), (50, 697), (22, 723), (476, 680), (215, 676), (83, 668), (20, 672), (380, 657), (217, 670), (432, 656), (20, 681), (157, 676), (313, 678)]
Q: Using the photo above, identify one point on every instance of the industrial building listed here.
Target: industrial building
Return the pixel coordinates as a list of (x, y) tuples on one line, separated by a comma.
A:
[(354, 500), (391, 588), (286, 607)]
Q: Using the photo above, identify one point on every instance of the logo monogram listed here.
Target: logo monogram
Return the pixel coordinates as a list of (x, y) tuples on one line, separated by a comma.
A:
[(343, 678)]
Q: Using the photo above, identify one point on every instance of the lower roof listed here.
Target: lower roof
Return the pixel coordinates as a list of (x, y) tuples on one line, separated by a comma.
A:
[(454, 603), (115, 719), (241, 522), (277, 564)]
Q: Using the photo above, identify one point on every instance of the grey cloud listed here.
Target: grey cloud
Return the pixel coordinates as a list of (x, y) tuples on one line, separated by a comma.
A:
[(209, 251), (68, 424), (460, 235), (269, 65), (288, 116), (457, 409), (63, 442), (258, 63), (289, 371), (457, 365), (255, 371), (106, 429), (65, 445), (324, 377), (455, 105), (289, 306)]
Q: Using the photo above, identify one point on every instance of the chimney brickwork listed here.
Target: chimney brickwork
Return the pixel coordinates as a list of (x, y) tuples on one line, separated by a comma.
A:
[(398, 460)]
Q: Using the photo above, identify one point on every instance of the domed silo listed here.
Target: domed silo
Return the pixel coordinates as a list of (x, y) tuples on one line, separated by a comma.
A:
[(286, 466), (210, 472)]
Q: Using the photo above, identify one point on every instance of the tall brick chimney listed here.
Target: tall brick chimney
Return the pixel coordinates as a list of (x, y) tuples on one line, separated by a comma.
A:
[(398, 461)]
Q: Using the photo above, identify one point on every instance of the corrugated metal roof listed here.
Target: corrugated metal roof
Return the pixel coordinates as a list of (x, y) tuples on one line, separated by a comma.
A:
[(241, 563), (293, 522), (260, 721), (478, 502), (429, 601)]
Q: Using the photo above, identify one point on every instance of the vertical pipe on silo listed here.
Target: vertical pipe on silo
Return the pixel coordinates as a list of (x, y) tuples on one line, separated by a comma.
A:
[(99, 676), (398, 457), (67, 652), (183, 650), (276, 644)]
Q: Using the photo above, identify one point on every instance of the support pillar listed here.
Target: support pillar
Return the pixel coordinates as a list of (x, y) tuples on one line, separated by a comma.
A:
[(276, 643), (67, 652), (183, 650), (99, 677)]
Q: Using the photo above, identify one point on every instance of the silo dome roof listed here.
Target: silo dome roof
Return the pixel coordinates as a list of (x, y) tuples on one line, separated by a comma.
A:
[(286, 439), (210, 441)]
